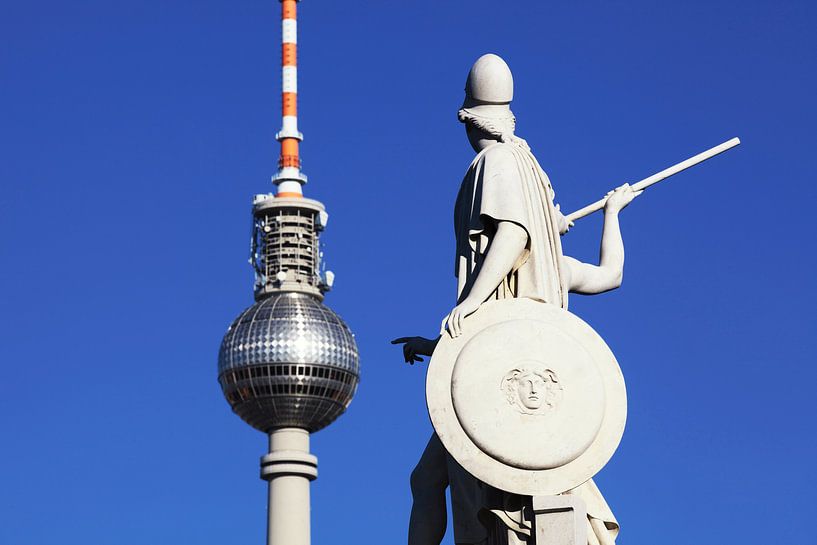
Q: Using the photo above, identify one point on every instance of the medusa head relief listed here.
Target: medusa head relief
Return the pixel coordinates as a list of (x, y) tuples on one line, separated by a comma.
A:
[(531, 388)]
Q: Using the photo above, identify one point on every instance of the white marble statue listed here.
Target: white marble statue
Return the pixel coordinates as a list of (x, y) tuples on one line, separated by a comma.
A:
[(507, 246)]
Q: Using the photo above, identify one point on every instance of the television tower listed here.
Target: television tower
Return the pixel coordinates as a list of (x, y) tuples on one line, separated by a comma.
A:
[(288, 365)]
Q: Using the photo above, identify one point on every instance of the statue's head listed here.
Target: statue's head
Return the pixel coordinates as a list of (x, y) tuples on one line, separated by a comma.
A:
[(531, 388), (486, 111)]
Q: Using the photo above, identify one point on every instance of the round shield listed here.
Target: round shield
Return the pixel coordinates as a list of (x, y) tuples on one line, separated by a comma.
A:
[(529, 399)]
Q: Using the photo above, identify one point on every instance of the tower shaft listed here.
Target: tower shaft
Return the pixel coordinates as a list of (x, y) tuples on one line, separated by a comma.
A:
[(288, 468)]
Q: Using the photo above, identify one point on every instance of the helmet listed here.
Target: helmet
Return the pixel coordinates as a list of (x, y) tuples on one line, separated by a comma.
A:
[(489, 81)]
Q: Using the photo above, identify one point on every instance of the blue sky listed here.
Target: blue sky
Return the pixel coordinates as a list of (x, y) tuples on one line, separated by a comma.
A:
[(134, 135)]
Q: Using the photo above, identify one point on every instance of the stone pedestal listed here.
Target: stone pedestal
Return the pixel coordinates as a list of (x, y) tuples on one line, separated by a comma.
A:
[(559, 520)]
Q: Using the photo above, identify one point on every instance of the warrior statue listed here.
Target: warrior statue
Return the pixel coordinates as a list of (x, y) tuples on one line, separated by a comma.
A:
[(508, 246)]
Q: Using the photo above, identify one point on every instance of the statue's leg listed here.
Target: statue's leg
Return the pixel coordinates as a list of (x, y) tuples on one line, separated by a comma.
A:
[(467, 502), (428, 483)]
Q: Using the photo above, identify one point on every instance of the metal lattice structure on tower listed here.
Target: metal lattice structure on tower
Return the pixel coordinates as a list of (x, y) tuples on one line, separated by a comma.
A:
[(288, 365)]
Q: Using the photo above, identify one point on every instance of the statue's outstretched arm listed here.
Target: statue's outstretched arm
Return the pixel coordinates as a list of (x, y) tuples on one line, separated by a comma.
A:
[(506, 247), (607, 275)]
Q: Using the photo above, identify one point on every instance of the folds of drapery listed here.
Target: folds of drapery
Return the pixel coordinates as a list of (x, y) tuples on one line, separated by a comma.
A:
[(505, 183)]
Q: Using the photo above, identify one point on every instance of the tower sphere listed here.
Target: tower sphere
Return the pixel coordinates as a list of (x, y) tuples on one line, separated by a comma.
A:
[(288, 361)]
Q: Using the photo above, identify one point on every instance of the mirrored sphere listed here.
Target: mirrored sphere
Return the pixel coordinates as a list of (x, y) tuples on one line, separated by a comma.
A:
[(288, 361)]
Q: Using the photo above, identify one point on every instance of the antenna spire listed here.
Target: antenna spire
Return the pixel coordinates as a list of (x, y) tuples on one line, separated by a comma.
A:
[(289, 177)]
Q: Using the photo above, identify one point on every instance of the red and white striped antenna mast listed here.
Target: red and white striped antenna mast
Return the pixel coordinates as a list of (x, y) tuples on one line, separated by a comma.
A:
[(289, 177)]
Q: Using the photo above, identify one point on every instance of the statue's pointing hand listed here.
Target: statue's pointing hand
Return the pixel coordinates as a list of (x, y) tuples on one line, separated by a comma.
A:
[(619, 198), (414, 347)]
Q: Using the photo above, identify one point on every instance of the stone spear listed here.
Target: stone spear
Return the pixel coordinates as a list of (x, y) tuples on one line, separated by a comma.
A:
[(655, 178)]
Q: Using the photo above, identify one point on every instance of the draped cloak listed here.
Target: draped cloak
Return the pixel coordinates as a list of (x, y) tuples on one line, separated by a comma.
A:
[(506, 183)]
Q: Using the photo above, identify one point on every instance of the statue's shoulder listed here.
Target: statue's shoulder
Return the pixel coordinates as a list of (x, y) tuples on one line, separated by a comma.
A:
[(500, 156), (499, 150)]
